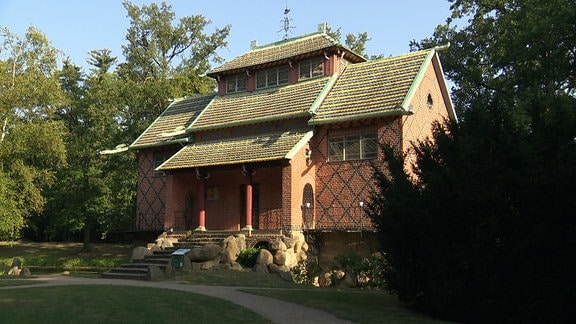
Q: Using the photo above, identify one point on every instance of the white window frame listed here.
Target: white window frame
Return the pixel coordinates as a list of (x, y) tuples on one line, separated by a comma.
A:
[(352, 147), (272, 77)]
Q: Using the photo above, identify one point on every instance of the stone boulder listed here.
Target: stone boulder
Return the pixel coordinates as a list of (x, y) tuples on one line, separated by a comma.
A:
[(288, 241), (16, 262), (205, 253), (139, 252), (14, 271), (155, 273), (241, 241), (264, 258), (260, 268), (286, 276), (280, 258), (274, 268), (277, 245), (230, 248)]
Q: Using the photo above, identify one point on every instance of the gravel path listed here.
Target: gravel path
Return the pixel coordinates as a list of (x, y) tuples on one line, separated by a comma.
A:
[(273, 309)]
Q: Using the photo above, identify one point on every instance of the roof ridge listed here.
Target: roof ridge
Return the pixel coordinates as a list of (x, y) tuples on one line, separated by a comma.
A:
[(294, 39)]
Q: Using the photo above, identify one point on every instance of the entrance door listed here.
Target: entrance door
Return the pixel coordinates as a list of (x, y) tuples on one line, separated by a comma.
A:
[(255, 205)]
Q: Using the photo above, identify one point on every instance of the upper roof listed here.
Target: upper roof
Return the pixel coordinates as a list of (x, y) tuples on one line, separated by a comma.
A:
[(282, 51), (372, 88), (268, 104)]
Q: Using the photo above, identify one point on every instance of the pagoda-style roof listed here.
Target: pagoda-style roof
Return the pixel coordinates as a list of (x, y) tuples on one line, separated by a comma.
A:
[(254, 148), (372, 89), (283, 51)]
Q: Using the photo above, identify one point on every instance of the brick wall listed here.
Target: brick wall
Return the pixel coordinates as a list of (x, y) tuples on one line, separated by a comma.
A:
[(341, 186)]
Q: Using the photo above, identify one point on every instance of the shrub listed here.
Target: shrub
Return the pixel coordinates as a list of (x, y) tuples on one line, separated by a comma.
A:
[(366, 271), (247, 257), (306, 272)]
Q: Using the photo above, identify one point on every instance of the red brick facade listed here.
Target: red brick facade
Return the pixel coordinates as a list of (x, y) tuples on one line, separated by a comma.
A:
[(394, 101)]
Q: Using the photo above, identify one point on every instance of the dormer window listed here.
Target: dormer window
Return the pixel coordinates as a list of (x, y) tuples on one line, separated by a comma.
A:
[(272, 77), (311, 68), (236, 83)]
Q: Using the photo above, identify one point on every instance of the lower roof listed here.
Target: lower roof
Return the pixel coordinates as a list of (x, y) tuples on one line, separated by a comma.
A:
[(255, 148)]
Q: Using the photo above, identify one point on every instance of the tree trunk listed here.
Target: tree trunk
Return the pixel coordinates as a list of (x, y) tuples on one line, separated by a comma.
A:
[(87, 246)]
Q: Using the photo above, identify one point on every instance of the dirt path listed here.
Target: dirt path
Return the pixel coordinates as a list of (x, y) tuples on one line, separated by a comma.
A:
[(273, 309)]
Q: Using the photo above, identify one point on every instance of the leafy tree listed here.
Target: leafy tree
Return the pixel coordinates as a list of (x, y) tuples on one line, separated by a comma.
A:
[(31, 142), (165, 61), (485, 231), (356, 43)]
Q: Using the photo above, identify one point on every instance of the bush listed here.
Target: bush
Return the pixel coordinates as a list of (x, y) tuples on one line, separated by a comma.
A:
[(306, 272), (247, 257), (366, 271)]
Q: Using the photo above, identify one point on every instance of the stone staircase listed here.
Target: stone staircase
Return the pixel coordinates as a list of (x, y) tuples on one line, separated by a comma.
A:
[(140, 269)]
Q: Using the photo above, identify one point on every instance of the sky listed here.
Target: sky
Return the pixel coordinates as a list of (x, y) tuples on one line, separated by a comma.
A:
[(76, 27)]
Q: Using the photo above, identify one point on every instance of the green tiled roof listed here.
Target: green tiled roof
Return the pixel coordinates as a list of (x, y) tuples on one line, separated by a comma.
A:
[(255, 148), (278, 51), (371, 88), (179, 115), (259, 106)]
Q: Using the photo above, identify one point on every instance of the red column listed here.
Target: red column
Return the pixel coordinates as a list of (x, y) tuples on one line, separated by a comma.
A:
[(201, 204), (249, 203)]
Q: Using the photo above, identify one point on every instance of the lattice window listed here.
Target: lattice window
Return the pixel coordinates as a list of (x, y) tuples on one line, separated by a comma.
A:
[(310, 69), (236, 83), (356, 147), (272, 77)]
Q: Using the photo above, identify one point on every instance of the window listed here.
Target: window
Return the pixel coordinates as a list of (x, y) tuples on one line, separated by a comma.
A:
[(235, 83), (356, 147), (272, 77), (310, 69), (159, 158)]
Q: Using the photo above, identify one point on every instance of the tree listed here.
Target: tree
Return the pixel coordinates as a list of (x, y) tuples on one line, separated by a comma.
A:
[(356, 43), (164, 61), (485, 232), (31, 142)]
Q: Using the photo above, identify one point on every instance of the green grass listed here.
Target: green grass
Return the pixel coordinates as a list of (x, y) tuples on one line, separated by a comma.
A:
[(101, 304), (54, 257), (359, 306), (116, 304)]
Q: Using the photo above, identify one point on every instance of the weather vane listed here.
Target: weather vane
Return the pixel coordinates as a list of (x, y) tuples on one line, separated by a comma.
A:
[(286, 22)]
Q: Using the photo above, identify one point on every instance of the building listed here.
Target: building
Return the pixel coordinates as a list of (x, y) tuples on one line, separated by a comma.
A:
[(287, 141)]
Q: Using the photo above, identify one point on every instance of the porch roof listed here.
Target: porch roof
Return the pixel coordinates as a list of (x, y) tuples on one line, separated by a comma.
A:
[(254, 148), (372, 89)]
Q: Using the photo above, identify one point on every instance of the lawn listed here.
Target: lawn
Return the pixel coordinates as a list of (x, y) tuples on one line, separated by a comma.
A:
[(133, 304)]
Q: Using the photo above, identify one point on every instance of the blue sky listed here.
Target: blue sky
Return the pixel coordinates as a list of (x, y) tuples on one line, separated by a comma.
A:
[(77, 26)]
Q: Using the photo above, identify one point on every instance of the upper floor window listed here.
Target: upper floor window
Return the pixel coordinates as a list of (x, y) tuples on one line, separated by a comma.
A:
[(310, 68), (236, 83), (354, 147), (272, 77)]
